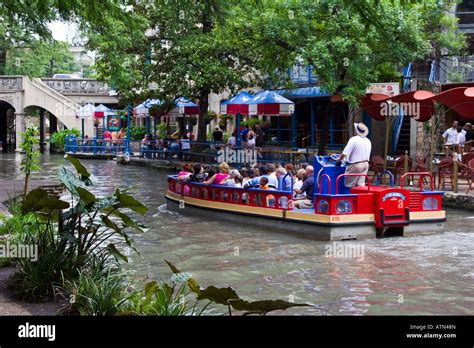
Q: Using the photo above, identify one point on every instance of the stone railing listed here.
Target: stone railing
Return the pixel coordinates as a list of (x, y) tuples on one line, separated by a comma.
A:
[(77, 86), (10, 83)]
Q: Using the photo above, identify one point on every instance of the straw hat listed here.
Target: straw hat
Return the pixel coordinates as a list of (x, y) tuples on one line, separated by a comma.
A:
[(361, 129)]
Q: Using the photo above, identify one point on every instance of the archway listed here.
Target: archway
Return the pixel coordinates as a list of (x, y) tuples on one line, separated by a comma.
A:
[(7, 126)]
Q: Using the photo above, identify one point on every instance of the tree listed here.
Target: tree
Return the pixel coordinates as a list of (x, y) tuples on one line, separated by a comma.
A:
[(351, 43), (182, 47), (42, 59)]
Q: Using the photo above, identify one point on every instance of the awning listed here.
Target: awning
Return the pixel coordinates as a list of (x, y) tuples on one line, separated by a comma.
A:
[(102, 111), (303, 92), (420, 105)]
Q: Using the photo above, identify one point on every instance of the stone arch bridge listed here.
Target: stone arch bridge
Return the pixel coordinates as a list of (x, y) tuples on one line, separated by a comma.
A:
[(60, 98)]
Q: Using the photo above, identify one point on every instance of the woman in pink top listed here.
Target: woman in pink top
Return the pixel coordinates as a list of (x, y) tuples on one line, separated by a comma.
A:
[(219, 178)]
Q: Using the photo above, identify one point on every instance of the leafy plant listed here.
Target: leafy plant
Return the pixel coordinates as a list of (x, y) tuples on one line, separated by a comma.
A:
[(137, 132), (94, 293), (58, 139), (229, 297), (162, 130), (251, 122), (73, 237), (29, 163)]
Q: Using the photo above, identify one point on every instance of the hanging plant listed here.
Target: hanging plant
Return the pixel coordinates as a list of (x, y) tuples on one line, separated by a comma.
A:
[(193, 121), (209, 117)]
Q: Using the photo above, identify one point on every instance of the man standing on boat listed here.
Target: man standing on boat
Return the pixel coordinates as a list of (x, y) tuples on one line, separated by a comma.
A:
[(357, 151)]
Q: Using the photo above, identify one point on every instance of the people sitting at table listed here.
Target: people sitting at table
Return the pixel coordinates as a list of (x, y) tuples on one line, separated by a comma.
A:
[(219, 178), (308, 188)]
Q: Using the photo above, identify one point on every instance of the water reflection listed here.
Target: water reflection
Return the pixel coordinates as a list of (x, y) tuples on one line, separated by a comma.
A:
[(417, 275)]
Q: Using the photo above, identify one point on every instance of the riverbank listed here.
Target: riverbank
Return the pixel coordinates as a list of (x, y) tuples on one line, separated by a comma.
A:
[(12, 306), (453, 200)]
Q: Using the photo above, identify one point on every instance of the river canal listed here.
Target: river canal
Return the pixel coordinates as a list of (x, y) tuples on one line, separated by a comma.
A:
[(416, 275)]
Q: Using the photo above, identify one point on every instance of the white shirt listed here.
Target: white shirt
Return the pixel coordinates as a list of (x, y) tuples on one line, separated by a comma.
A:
[(185, 145), (297, 186), (231, 141), (451, 135), (358, 149), (461, 138)]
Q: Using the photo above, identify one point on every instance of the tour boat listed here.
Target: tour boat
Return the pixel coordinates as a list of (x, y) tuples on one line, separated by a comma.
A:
[(339, 213)]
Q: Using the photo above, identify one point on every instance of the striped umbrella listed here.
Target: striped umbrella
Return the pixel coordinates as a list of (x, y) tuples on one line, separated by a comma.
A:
[(271, 104)]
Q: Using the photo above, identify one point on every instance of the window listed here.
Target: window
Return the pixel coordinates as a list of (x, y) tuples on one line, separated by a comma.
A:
[(283, 202), (323, 207), (235, 197), (257, 200), (344, 207), (245, 198), (430, 203), (224, 196), (194, 192), (204, 193), (214, 195)]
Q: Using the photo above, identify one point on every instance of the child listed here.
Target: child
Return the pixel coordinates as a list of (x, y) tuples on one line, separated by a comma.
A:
[(264, 183)]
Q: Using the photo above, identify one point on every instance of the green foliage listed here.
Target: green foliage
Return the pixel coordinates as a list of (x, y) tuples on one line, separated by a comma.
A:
[(162, 129), (252, 122), (30, 162), (94, 293), (137, 132), (73, 237), (58, 139), (43, 59), (229, 297)]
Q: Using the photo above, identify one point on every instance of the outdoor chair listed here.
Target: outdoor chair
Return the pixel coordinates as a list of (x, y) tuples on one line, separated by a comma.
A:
[(445, 172), (376, 165), (399, 169), (466, 158), (470, 175), (420, 166)]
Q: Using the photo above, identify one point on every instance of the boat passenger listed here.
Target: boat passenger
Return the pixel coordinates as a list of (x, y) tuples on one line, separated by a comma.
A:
[(284, 180), (230, 181), (219, 178), (185, 172), (300, 176), (308, 188), (197, 175), (250, 174), (264, 183), (272, 181)]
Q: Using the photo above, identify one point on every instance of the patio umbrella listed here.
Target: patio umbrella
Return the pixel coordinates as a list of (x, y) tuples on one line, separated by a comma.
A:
[(143, 109), (184, 107), (87, 111), (239, 103), (101, 111), (271, 104)]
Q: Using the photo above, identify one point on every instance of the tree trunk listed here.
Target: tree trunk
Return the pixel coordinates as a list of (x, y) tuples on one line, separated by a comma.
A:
[(325, 131), (203, 109)]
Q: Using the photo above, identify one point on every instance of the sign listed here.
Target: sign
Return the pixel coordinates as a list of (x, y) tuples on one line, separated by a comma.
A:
[(388, 88), (113, 123)]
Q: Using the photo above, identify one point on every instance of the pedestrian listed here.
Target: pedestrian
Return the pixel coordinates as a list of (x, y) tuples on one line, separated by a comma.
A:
[(450, 135), (357, 151)]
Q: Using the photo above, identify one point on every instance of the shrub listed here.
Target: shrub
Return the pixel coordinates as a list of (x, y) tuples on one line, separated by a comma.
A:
[(72, 237), (137, 132), (58, 139)]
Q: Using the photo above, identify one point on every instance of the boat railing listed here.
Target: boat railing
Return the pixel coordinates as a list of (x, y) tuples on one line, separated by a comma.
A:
[(422, 175), (281, 200), (321, 181), (392, 179)]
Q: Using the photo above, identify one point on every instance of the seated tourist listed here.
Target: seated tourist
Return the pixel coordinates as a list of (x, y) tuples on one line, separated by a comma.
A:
[(272, 181), (284, 180), (219, 178), (185, 172), (231, 180), (197, 175), (263, 185), (249, 174), (300, 176), (308, 188)]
